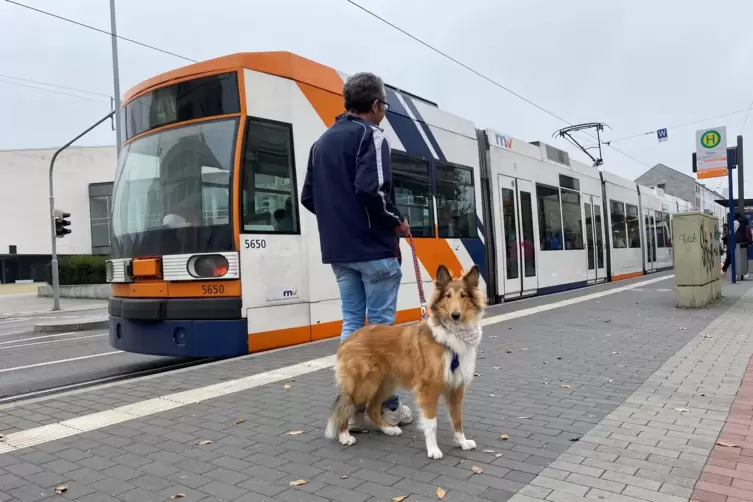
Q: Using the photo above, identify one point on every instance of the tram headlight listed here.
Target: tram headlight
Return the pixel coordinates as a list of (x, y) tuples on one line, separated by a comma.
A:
[(208, 266), (109, 270)]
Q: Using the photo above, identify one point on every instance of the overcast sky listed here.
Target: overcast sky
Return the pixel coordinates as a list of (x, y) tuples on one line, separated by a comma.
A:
[(636, 65)]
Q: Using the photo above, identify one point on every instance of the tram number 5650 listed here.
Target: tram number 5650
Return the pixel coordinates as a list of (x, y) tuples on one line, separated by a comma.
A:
[(255, 243)]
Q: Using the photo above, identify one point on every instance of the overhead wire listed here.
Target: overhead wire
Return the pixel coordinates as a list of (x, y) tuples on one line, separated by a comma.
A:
[(56, 86), (678, 126), (53, 91), (56, 16), (481, 75), (746, 117)]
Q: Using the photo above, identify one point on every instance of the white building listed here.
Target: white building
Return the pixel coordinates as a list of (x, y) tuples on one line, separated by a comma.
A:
[(83, 187)]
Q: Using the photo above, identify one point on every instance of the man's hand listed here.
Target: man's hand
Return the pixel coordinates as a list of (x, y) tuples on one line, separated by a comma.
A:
[(403, 228)]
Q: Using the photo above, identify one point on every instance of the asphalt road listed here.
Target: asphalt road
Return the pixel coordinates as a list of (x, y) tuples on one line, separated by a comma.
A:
[(32, 362)]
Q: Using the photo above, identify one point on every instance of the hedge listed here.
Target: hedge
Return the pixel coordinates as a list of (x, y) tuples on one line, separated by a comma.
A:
[(82, 269)]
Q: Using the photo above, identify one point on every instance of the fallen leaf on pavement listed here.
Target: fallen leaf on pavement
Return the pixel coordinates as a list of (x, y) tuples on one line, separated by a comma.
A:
[(574, 439), (400, 498), (205, 442), (508, 351), (488, 451), (524, 418), (728, 445), (294, 433), (298, 482), (178, 496), (286, 386), (496, 367), (61, 489), (498, 455), (565, 386), (239, 421), (682, 409), (477, 374), (441, 493), (504, 437), (344, 476), (476, 469)]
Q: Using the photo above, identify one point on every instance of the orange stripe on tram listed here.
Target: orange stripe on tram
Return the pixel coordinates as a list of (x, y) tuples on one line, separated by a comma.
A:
[(276, 339), (630, 275), (435, 252), (327, 105)]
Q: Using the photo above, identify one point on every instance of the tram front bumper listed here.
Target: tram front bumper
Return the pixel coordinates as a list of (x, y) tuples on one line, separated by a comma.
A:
[(179, 328)]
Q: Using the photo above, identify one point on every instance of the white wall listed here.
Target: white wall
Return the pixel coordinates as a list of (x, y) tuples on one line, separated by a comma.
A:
[(24, 204)]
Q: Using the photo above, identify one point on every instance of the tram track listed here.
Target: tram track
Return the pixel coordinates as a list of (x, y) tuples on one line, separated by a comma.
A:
[(52, 391)]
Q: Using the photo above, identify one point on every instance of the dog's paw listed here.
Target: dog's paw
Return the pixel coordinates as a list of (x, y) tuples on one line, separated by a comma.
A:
[(467, 444), (346, 439), (392, 431), (434, 453)]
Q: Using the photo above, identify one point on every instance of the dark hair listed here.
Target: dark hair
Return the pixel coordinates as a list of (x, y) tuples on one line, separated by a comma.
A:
[(361, 90)]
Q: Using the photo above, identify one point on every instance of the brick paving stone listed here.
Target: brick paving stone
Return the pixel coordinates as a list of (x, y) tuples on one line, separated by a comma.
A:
[(729, 471), (612, 385)]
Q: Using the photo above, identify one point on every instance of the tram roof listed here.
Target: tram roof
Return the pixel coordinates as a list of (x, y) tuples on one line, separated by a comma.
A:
[(280, 63)]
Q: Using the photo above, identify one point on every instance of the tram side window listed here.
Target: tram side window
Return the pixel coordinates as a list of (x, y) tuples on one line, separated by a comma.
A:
[(572, 219), (550, 218), (661, 230), (456, 202), (270, 204), (413, 193), (619, 230), (633, 226)]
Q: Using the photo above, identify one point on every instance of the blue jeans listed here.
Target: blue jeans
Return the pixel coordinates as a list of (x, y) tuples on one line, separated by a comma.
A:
[(368, 288)]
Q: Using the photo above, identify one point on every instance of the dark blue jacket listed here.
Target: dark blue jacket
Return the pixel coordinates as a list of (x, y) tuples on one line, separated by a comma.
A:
[(349, 188)]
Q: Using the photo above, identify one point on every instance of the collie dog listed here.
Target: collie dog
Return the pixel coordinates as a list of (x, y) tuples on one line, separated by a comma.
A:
[(433, 358)]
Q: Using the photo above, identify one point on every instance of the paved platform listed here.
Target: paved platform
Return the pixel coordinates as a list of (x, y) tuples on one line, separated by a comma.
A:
[(609, 393)]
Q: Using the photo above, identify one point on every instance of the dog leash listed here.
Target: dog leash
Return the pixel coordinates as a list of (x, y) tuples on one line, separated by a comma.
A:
[(419, 281), (455, 362)]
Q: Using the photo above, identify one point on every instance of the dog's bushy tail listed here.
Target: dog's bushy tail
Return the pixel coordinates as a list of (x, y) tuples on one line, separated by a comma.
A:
[(342, 411)]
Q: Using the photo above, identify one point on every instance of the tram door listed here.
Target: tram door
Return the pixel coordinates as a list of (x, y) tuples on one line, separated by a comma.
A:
[(519, 228), (594, 238), (649, 219)]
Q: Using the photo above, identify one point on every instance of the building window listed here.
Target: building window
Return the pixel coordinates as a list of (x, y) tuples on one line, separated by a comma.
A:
[(661, 186), (100, 207), (550, 218), (633, 226), (572, 219), (456, 202), (619, 231), (413, 193), (270, 202)]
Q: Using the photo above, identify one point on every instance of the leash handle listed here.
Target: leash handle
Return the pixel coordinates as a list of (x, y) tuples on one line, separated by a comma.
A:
[(419, 282)]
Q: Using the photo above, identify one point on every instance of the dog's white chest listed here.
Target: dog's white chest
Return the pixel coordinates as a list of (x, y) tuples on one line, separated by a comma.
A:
[(463, 372)]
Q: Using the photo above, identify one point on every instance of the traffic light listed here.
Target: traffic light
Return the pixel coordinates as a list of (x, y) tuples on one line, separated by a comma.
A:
[(61, 221)]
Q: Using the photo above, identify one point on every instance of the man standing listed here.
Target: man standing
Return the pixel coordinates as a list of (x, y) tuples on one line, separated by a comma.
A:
[(349, 188)]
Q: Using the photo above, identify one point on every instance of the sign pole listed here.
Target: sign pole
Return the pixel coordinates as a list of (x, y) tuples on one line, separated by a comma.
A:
[(53, 236), (740, 177), (731, 246), (115, 76)]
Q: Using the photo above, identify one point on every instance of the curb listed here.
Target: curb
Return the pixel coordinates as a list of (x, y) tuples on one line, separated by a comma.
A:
[(83, 324)]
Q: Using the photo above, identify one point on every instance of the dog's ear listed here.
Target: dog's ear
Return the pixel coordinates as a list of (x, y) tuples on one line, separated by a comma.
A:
[(443, 276), (472, 277)]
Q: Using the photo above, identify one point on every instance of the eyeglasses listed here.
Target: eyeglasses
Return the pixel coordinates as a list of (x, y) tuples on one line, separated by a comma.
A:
[(386, 105)]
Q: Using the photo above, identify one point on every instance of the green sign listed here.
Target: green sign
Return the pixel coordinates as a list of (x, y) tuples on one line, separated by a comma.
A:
[(710, 138)]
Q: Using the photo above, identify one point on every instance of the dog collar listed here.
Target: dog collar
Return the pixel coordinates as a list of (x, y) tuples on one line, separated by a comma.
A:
[(455, 362)]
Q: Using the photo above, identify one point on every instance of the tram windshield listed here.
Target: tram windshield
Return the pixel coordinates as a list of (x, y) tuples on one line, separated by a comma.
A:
[(173, 190)]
